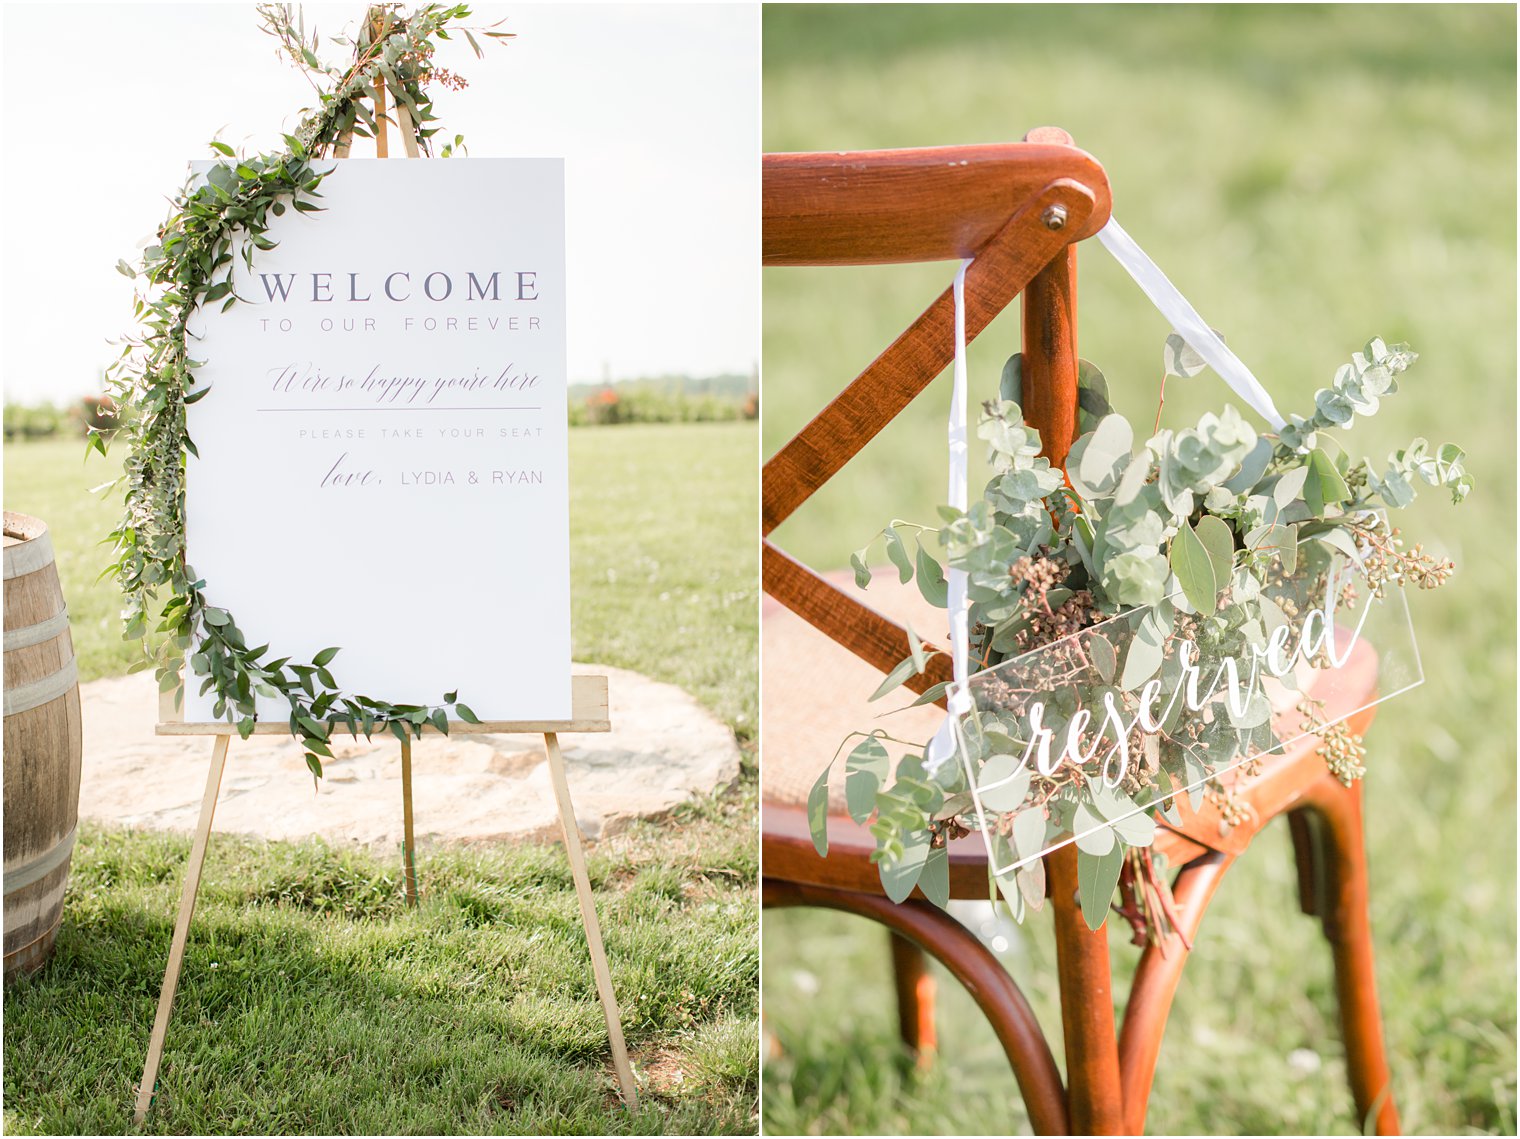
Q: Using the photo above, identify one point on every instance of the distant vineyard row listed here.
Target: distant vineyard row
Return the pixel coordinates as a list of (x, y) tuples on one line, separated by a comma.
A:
[(641, 401)]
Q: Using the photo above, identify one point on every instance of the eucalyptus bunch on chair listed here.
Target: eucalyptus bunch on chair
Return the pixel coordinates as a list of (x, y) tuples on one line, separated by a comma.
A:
[(1108, 586)]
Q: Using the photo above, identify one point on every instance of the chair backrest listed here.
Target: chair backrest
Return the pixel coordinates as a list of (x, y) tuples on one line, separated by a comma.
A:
[(1016, 208)]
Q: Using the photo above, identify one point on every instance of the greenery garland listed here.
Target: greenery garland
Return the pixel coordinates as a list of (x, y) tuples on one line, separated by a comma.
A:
[(210, 223), (1212, 534)]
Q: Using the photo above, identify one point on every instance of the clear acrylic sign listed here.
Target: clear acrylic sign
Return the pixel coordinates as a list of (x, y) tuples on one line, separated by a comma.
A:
[(1074, 741)]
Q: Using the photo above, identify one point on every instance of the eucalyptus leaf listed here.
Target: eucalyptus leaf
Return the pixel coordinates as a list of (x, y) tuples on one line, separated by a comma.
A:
[(1097, 875), (1135, 829), (864, 771), (1275, 540), (1169, 810), (900, 875), (905, 668), (1258, 710), (898, 552), (1031, 883), (1194, 567), (1092, 396), (934, 879), (862, 571), (1100, 651), (1108, 801), (1131, 483), (1179, 359), (1029, 827), (1011, 384), (931, 694), (1289, 486), (915, 650), (1252, 467), (1196, 776), (1217, 539), (1107, 451), (1340, 541), (1007, 885), (1002, 785), (1273, 618), (1142, 658), (1331, 487), (1092, 831), (931, 579), (818, 812)]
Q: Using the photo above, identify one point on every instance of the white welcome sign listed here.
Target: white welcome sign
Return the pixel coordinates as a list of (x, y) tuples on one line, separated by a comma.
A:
[(382, 454)]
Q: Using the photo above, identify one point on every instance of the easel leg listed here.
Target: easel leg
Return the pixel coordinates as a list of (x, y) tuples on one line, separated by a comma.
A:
[(182, 927), (408, 844), (588, 917)]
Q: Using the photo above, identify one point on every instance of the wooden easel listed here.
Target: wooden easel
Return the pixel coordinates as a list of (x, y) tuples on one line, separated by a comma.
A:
[(588, 701)]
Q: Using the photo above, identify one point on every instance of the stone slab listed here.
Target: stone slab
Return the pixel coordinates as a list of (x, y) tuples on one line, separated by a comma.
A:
[(664, 748)]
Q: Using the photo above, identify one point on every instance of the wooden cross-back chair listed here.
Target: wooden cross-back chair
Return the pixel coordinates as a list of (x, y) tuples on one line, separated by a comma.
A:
[(1019, 210)]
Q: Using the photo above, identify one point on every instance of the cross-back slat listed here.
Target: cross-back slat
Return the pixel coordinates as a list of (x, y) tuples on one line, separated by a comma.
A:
[(1003, 267), (862, 630), (1015, 208), (940, 203)]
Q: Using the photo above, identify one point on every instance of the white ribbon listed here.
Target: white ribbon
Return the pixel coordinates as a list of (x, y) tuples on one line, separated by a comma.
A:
[(943, 746), (1185, 319)]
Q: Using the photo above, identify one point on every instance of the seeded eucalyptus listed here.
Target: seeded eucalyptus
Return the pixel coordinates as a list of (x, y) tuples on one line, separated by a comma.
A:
[(190, 266), (1209, 540)]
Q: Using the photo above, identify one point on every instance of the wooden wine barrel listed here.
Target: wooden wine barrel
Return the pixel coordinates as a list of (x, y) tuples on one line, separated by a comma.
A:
[(42, 746)]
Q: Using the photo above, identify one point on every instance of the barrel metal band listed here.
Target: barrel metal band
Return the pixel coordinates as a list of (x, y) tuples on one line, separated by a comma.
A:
[(39, 692), (29, 635), (19, 956), (39, 868), (28, 557)]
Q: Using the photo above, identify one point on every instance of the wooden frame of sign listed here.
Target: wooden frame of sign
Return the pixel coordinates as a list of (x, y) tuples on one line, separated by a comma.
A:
[(588, 713)]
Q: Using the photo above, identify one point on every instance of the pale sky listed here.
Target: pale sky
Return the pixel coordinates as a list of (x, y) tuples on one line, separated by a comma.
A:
[(655, 108)]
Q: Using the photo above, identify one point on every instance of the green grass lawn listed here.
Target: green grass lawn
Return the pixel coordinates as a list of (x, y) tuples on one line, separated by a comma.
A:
[(662, 554), (1309, 177), (313, 1002)]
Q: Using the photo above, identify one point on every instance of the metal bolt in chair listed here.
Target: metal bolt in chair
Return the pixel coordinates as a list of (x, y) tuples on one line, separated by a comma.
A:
[(1019, 209)]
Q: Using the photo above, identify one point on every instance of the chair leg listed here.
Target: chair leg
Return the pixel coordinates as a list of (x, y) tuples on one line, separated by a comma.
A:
[(1308, 857), (1094, 1095), (975, 967), (1155, 985), (1341, 868), (915, 998)]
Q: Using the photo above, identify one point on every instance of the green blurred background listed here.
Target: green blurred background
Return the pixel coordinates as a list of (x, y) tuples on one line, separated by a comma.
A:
[(1309, 177)]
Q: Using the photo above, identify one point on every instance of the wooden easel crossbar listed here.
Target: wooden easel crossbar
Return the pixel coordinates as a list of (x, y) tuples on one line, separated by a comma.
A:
[(589, 713)]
